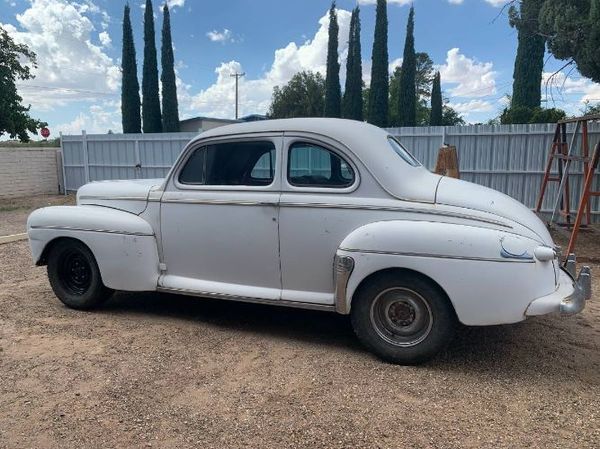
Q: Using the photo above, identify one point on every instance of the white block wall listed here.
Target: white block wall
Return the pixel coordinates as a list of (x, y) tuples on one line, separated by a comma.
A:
[(28, 171)]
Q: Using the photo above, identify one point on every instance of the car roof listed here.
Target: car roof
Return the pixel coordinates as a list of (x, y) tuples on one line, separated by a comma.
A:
[(366, 142)]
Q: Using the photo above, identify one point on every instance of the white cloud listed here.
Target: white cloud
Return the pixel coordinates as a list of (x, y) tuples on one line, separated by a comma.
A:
[(98, 119), (220, 36), (472, 106), (391, 2), (255, 94), (497, 3), (70, 66), (174, 3), (105, 39), (556, 87), (472, 78), (456, 2), (395, 63)]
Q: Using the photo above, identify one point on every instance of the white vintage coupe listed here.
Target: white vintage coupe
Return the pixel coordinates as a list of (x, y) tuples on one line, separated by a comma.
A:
[(313, 213)]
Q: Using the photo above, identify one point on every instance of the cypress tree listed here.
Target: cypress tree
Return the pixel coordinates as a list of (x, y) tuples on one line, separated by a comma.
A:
[(379, 90), (353, 95), (529, 62), (130, 88), (333, 94), (407, 96), (170, 114), (150, 96), (435, 119)]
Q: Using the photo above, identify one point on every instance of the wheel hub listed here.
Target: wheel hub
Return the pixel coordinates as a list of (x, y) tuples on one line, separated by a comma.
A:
[(401, 316)]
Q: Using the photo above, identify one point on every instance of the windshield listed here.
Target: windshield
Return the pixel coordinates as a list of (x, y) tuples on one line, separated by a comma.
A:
[(403, 152)]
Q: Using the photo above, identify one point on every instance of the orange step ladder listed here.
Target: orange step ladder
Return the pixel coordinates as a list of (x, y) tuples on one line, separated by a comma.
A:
[(564, 152)]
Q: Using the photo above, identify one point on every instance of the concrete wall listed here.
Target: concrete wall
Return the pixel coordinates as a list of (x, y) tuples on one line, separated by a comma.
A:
[(28, 171)]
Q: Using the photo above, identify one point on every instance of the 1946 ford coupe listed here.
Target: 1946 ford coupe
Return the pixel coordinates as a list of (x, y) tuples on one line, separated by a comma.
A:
[(313, 213)]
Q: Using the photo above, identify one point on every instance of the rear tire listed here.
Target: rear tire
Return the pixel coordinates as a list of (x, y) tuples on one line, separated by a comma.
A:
[(403, 318), (75, 277)]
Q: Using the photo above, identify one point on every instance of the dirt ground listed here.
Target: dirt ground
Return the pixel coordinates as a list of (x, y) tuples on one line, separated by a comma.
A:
[(14, 211), (150, 370)]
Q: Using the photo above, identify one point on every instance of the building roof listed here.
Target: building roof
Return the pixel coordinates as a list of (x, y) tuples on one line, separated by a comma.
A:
[(212, 119)]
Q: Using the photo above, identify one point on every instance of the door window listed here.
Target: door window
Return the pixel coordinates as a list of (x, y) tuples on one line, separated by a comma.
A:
[(311, 165), (232, 163)]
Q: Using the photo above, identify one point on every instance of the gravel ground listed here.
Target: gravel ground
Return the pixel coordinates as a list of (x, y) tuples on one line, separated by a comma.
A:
[(14, 211), (170, 371)]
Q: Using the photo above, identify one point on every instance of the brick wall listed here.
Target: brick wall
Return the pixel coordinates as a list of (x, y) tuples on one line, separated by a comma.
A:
[(28, 171)]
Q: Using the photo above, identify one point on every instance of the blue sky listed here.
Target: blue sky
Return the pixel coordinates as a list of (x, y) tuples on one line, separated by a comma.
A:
[(79, 45)]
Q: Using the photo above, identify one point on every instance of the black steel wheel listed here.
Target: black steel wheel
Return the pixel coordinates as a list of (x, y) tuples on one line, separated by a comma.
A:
[(74, 275), (403, 317)]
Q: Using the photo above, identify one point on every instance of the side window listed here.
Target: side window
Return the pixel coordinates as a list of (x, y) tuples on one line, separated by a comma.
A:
[(232, 163), (311, 165), (264, 169)]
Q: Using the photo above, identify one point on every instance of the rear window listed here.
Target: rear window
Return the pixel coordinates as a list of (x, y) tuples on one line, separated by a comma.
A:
[(403, 152)]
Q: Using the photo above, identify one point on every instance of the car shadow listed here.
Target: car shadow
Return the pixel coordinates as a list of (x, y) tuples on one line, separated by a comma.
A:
[(310, 326), (547, 346)]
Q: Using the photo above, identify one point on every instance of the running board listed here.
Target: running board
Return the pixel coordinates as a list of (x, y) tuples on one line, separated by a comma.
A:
[(279, 302)]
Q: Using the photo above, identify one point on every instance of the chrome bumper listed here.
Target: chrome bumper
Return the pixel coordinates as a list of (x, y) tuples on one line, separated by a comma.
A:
[(571, 293), (582, 285)]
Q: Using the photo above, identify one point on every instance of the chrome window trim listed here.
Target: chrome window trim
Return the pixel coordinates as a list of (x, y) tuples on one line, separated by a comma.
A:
[(173, 176), (347, 157)]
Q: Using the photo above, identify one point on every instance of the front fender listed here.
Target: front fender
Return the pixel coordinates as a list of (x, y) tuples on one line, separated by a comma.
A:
[(123, 243), (489, 275)]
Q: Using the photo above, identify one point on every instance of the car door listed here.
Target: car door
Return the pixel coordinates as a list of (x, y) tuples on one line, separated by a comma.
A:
[(318, 179), (219, 219)]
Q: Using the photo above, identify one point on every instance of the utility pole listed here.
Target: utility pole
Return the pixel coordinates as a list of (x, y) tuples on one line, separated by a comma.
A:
[(237, 76)]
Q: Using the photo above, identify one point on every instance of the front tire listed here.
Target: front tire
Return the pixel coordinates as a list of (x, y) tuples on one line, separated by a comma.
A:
[(403, 318), (75, 277)]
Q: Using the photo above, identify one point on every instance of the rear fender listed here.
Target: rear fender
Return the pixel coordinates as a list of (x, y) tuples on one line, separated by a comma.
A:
[(489, 275)]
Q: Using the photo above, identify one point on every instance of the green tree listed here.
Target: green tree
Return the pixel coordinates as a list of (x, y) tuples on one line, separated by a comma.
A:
[(573, 33), (170, 113), (529, 61), (407, 95), (424, 78), (352, 106), (451, 117), (14, 117), (130, 87), (150, 95), (379, 90), (303, 96), (333, 94), (523, 114), (436, 116)]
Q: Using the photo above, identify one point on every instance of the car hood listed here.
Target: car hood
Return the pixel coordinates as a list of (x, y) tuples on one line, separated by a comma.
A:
[(455, 192), (128, 195)]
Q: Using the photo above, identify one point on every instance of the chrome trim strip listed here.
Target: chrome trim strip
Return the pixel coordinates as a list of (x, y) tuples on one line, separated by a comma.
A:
[(395, 209), (436, 256), (220, 202), (343, 267), (74, 228), (110, 198), (273, 302)]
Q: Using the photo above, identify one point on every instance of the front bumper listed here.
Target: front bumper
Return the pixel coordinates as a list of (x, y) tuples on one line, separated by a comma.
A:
[(570, 295)]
